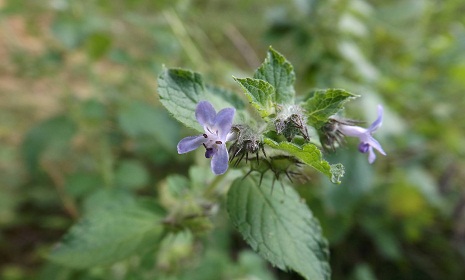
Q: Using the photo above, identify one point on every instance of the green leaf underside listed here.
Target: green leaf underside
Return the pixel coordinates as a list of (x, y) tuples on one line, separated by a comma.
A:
[(180, 91), (279, 226), (260, 94), (325, 103), (310, 155), (108, 233), (277, 71)]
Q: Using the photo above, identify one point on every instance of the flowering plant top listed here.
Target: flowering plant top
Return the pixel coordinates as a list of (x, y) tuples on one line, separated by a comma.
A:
[(277, 142)]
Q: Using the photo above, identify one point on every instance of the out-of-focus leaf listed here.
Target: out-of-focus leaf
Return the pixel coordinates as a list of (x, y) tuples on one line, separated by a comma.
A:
[(51, 135), (138, 119), (381, 233), (113, 228), (175, 249), (93, 111), (70, 31), (279, 226), (260, 94), (363, 272), (310, 155), (358, 181), (277, 71), (97, 45), (131, 174), (425, 184), (325, 103), (82, 183)]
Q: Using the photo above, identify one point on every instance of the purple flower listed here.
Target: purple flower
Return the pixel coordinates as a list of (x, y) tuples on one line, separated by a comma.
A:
[(367, 142), (216, 127)]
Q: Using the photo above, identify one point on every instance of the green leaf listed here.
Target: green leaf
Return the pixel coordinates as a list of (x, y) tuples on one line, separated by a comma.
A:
[(180, 90), (137, 119), (131, 174), (260, 94), (52, 136), (325, 103), (98, 44), (115, 226), (279, 226), (277, 71), (310, 155), (69, 30)]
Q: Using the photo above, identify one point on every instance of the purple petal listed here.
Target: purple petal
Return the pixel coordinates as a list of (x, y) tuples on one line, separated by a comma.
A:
[(375, 144), (220, 160), (353, 131), (223, 122), (209, 152), (190, 143), (371, 155), (205, 113), (379, 121), (363, 147)]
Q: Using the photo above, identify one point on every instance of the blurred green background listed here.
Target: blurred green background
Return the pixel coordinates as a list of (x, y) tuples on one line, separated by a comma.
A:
[(79, 112)]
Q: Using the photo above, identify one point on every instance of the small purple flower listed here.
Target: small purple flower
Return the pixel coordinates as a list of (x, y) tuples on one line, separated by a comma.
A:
[(367, 142), (216, 127)]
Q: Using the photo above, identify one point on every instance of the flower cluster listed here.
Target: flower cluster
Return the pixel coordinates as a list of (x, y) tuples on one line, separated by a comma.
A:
[(219, 129)]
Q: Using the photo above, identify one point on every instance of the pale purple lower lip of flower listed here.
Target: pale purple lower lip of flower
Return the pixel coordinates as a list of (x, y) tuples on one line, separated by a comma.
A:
[(220, 160)]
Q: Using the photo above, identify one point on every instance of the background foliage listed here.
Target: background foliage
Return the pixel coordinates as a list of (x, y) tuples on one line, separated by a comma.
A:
[(82, 131)]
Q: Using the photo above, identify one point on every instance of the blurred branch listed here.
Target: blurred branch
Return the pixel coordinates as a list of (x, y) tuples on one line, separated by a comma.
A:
[(183, 37), (59, 184), (243, 46)]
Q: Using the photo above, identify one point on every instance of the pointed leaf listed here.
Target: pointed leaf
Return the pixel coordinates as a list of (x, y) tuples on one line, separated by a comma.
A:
[(310, 155), (279, 226), (325, 103), (260, 94), (113, 228), (277, 71), (180, 90)]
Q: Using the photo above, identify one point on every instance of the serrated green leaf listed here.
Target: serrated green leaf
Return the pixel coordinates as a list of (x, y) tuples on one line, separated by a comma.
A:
[(277, 71), (279, 226), (310, 155), (113, 228), (325, 103), (260, 94), (180, 90)]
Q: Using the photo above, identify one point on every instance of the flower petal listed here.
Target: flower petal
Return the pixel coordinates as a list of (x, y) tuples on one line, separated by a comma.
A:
[(220, 160), (190, 143), (371, 155), (205, 113), (223, 122), (353, 131), (379, 121), (375, 144)]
